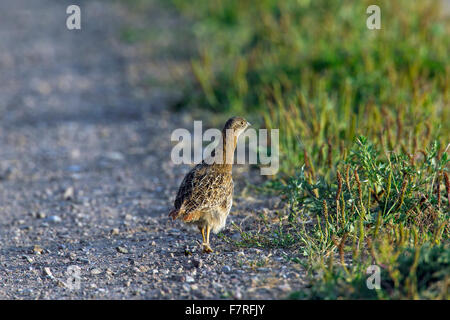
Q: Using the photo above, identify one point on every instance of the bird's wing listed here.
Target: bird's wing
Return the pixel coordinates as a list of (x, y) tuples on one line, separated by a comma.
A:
[(186, 187), (202, 188)]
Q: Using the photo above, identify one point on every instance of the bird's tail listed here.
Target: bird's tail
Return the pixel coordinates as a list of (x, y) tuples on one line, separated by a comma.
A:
[(175, 213)]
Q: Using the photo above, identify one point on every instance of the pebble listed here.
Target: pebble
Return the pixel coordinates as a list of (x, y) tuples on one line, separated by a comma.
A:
[(226, 269), (54, 219), (285, 288), (236, 237), (186, 287), (96, 271), (237, 294), (194, 287), (68, 194), (115, 155), (73, 168), (143, 268), (48, 272), (189, 279), (198, 263), (41, 215), (122, 249), (37, 249), (29, 259), (83, 260)]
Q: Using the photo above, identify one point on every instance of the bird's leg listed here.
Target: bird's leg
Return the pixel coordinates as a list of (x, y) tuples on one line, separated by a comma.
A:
[(206, 247), (202, 230)]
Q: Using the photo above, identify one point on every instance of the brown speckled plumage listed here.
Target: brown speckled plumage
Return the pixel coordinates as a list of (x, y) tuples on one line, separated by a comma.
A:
[(206, 193)]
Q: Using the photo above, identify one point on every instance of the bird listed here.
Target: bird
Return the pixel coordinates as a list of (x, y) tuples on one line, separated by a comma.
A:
[(205, 196)]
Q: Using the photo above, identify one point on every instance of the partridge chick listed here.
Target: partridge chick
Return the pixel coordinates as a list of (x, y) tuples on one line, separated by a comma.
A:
[(205, 195)]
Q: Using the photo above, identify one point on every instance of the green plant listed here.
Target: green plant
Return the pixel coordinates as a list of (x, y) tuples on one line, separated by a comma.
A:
[(313, 70)]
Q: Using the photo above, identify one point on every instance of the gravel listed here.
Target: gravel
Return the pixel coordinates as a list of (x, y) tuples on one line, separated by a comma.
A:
[(86, 180)]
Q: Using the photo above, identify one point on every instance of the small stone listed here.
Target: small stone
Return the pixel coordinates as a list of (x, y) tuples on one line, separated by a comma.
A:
[(83, 260), (194, 287), (143, 268), (186, 287), (41, 215), (48, 272), (189, 279), (96, 271), (74, 168), (237, 294), (37, 249), (26, 291), (54, 219), (226, 269), (68, 194), (198, 263), (236, 237), (115, 231), (285, 288), (115, 155), (122, 249), (29, 259)]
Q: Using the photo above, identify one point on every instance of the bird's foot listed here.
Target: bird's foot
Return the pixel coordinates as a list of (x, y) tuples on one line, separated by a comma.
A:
[(207, 248)]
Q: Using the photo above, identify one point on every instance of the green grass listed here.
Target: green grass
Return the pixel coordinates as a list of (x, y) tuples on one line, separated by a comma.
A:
[(364, 132), (382, 209), (313, 69)]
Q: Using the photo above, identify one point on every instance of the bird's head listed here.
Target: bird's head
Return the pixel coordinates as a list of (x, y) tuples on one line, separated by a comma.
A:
[(237, 124)]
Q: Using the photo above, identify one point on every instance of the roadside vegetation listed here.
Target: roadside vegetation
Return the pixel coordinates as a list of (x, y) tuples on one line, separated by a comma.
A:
[(364, 132)]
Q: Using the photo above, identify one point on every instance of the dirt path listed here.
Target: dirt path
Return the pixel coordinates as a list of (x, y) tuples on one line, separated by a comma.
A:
[(86, 179)]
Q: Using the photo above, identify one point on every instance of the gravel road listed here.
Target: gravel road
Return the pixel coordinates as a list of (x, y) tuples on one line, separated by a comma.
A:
[(86, 180)]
